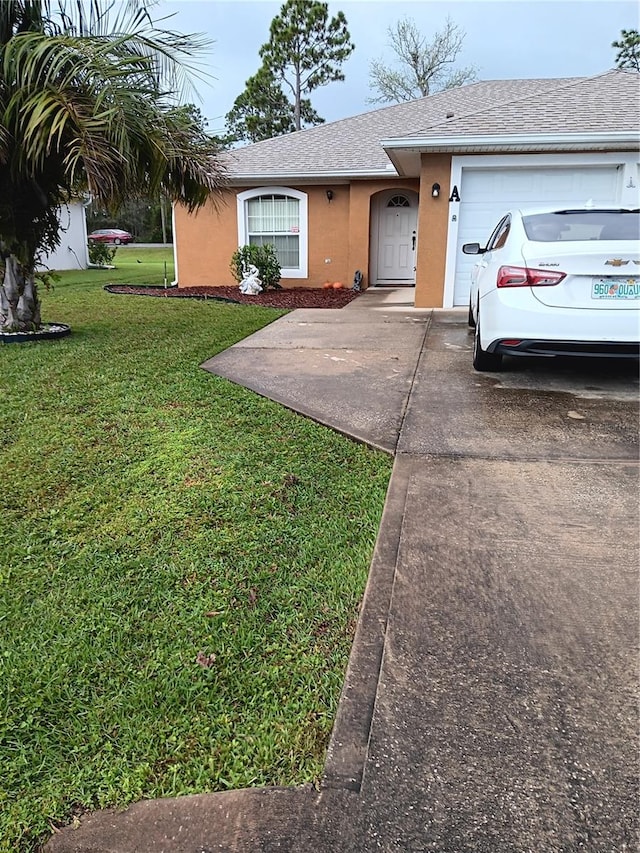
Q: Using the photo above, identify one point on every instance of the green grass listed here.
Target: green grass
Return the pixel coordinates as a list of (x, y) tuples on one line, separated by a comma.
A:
[(151, 513), (133, 265)]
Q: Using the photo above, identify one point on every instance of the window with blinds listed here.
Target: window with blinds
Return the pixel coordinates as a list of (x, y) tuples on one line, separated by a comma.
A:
[(279, 216), (275, 219)]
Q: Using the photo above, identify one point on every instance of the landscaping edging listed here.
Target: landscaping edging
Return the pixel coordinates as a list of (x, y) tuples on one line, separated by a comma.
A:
[(160, 290), (49, 332)]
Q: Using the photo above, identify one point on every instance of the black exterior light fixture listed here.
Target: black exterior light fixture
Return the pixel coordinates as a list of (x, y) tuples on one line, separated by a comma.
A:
[(329, 195), (435, 190)]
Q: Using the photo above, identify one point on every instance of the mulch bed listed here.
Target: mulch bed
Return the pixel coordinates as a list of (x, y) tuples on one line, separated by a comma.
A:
[(294, 297)]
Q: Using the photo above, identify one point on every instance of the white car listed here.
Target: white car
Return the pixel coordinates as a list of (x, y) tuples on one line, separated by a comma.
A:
[(557, 282)]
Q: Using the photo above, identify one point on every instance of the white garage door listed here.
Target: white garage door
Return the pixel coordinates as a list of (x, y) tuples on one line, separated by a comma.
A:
[(486, 194)]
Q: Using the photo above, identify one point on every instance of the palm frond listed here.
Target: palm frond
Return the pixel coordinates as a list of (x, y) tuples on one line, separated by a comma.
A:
[(86, 105)]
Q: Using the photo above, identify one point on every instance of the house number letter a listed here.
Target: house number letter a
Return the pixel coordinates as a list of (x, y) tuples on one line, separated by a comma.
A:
[(455, 195)]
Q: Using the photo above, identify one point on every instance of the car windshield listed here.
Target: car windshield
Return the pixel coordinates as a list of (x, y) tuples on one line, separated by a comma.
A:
[(578, 225)]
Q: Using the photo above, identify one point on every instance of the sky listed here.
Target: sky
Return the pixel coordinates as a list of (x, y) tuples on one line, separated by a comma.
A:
[(504, 39)]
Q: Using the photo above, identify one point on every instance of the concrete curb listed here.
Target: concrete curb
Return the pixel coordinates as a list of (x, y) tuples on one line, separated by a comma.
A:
[(347, 751)]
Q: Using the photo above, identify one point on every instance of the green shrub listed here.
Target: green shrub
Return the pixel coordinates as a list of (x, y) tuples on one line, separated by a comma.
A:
[(100, 254), (262, 257)]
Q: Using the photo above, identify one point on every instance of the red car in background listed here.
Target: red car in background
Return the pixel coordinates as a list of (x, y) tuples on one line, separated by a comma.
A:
[(111, 235)]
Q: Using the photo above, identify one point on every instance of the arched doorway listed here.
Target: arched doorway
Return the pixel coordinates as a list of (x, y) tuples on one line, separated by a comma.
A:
[(394, 237)]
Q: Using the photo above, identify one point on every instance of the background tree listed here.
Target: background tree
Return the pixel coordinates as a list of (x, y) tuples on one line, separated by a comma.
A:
[(148, 219), (88, 103), (424, 66), (263, 111), (305, 50), (628, 55)]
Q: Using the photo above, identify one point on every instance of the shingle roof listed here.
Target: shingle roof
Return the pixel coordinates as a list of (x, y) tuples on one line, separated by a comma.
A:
[(352, 146), (608, 102)]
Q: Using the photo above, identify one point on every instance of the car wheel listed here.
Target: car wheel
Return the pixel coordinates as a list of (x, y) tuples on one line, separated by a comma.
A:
[(483, 360), (117, 241), (471, 321)]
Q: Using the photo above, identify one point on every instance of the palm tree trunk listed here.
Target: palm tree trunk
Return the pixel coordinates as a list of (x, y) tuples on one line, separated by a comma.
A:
[(19, 301)]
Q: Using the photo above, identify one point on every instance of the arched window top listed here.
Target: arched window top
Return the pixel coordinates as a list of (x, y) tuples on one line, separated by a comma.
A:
[(398, 201), (274, 192)]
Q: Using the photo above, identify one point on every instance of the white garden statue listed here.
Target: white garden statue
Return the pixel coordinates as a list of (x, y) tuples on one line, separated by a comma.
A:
[(251, 283)]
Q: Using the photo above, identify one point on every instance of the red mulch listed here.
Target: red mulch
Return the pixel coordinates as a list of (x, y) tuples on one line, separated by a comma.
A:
[(293, 297)]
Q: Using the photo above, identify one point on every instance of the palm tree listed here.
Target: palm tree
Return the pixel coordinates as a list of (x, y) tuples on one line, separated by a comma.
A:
[(88, 104)]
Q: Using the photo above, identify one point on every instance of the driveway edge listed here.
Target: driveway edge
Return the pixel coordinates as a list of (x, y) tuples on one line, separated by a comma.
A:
[(347, 751)]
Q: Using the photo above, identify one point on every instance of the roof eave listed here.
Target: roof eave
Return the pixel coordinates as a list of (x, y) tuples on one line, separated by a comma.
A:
[(405, 152), (311, 177)]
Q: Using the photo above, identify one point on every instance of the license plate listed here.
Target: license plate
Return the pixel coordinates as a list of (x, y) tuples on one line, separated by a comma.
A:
[(615, 288)]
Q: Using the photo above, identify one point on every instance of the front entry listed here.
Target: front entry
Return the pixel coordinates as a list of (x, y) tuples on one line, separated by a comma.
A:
[(394, 239)]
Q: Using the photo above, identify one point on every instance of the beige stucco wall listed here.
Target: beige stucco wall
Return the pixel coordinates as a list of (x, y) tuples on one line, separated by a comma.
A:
[(339, 231), (433, 224), (205, 242), (328, 236)]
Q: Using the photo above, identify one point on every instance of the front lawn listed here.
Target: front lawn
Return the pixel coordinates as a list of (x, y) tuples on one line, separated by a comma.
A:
[(133, 265), (181, 561)]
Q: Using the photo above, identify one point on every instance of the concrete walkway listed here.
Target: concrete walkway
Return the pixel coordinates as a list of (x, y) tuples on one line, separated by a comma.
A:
[(490, 699), (351, 369)]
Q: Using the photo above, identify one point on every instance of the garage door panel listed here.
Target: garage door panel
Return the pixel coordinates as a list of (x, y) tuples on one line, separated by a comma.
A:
[(488, 193)]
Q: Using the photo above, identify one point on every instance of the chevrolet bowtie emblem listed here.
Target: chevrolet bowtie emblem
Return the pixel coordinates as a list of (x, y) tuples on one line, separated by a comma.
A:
[(616, 262)]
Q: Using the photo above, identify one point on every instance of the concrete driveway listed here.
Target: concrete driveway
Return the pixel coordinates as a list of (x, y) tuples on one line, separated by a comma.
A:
[(505, 714), (490, 702)]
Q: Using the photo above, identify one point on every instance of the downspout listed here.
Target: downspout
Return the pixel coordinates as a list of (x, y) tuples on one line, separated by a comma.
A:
[(174, 283)]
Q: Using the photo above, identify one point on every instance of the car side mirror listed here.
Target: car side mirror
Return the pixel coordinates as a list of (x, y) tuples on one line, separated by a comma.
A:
[(473, 249)]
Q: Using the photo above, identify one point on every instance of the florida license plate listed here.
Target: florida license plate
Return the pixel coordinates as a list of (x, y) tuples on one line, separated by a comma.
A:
[(615, 288)]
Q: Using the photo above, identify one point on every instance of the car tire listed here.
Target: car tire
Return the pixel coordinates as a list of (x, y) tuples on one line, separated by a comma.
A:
[(471, 321), (483, 360), (117, 241)]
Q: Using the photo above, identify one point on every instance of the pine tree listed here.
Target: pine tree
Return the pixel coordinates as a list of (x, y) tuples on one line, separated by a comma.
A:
[(628, 50), (263, 111), (305, 51)]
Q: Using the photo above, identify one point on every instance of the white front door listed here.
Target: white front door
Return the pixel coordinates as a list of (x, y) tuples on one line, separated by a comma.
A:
[(397, 235)]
